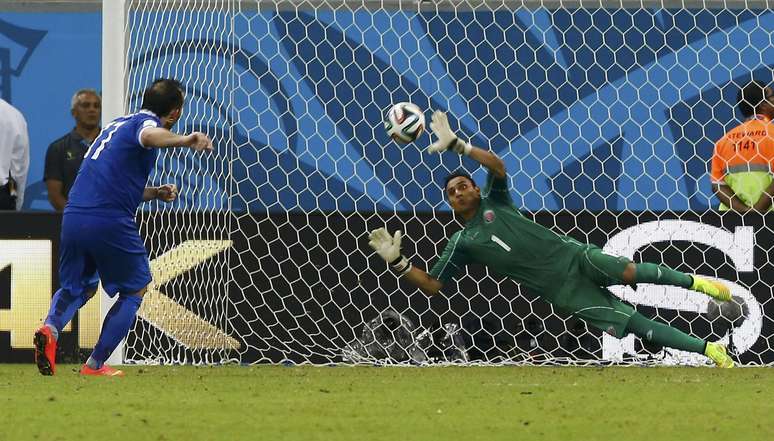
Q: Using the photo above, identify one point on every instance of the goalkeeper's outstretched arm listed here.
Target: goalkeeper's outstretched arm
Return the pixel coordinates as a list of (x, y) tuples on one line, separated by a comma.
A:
[(490, 160), (388, 248), (448, 140), (426, 283)]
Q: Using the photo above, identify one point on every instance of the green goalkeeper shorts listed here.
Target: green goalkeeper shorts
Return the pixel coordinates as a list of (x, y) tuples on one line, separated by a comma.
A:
[(583, 294)]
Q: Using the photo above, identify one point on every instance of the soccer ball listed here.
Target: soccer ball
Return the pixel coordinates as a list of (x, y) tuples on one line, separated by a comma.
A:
[(405, 122), (727, 315)]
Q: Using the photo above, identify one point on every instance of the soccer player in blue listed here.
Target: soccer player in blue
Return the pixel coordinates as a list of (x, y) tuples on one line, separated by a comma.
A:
[(100, 239)]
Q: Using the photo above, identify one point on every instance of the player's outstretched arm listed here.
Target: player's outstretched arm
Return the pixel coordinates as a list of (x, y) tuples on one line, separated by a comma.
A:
[(162, 138), (448, 140), (425, 282), (490, 160), (388, 248)]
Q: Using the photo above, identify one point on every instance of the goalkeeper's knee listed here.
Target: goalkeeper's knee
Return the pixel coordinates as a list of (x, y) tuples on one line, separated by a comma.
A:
[(629, 275)]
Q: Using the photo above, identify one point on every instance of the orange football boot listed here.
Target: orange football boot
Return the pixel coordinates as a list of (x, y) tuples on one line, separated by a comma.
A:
[(104, 371), (45, 350)]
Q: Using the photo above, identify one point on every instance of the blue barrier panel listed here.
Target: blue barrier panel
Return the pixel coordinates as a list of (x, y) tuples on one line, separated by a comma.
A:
[(44, 58)]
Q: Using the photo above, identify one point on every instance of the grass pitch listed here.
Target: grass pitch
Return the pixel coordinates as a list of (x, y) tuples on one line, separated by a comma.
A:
[(369, 403)]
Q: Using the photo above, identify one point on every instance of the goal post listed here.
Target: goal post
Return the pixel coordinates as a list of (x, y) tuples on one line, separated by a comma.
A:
[(113, 106), (605, 113)]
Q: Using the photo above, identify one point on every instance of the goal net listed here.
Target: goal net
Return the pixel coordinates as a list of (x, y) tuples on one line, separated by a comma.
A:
[(605, 113)]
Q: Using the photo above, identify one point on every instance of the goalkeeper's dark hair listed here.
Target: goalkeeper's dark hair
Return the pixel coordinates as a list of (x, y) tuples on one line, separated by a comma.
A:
[(163, 96), (750, 98), (458, 174)]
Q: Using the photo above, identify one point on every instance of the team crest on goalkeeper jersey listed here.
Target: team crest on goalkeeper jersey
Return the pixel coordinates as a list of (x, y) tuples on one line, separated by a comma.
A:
[(489, 216)]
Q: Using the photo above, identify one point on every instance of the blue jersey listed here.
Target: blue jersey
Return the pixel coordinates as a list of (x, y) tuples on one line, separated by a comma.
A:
[(115, 169)]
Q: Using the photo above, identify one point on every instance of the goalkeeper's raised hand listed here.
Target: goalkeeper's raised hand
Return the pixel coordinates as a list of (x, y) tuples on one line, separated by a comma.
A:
[(447, 139), (388, 248)]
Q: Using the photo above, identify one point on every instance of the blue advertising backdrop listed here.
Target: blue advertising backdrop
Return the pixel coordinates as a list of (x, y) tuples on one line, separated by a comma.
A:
[(596, 109), (44, 58)]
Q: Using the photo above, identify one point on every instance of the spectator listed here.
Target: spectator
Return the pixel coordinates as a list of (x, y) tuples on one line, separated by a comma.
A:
[(64, 156), (744, 157), (14, 157)]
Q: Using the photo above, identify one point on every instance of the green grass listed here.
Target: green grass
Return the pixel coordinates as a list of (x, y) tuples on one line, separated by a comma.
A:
[(368, 403)]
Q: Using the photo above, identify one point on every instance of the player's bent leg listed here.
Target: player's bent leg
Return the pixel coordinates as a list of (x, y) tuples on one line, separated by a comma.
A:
[(601, 309), (606, 270), (44, 345), (63, 307), (663, 335), (595, 305), (610, 270), (117, 323), (660, 275)]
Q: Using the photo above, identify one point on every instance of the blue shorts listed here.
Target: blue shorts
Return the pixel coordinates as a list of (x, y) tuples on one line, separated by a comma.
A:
[(109, 249)]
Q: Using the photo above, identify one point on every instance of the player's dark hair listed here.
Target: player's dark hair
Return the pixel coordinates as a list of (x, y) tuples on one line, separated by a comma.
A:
[(750, 97), (458, 174), (163, 96)]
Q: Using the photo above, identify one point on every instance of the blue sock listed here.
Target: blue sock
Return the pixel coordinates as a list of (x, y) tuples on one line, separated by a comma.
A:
[(63, 308), (117, 323)]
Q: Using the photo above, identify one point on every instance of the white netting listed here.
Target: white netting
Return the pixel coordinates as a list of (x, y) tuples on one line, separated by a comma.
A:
[(606, 118), (189, 300)]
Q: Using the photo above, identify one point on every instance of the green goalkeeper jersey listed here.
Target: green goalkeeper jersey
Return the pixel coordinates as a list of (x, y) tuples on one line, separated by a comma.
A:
[(505, 241)]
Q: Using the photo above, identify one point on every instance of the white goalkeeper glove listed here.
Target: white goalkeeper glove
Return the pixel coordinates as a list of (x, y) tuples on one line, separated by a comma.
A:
[(447, 140), (388, 248)]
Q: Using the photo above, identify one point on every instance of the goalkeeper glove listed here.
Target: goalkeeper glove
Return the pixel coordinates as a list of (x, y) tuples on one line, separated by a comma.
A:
[(447, 140), (388, 248)]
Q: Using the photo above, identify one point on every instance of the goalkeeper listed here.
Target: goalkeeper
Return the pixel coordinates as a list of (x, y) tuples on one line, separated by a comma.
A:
[(570, 275)]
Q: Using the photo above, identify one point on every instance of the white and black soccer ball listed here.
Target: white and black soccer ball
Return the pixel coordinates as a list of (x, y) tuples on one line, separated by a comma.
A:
[(405, 122), (727, 315)]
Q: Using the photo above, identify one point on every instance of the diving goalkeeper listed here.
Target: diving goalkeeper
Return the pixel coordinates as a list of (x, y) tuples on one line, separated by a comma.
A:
[(570, 275)]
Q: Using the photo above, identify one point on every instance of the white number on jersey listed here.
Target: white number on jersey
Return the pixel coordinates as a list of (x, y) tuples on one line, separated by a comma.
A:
[(500, 242), (109, 130)]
